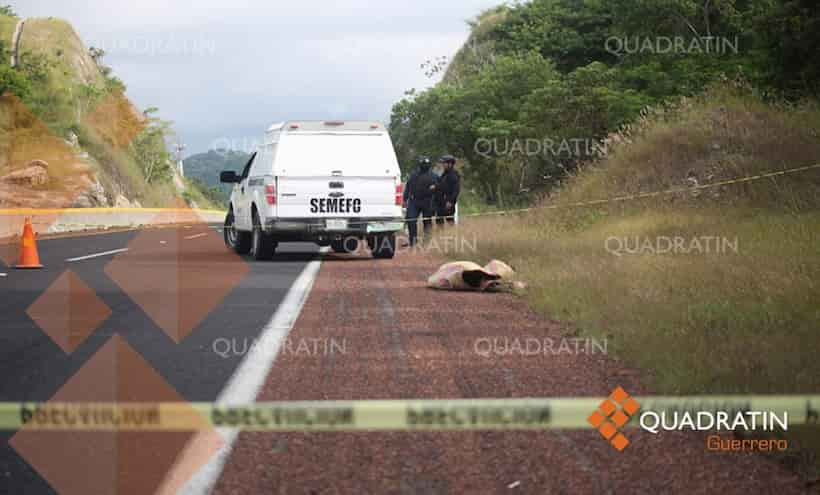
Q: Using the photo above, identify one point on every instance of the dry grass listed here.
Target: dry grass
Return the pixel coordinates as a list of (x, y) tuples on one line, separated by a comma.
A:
[(719, 136), (56, 39), (115, 120), (26, 138), (725, 322), (696, 323), (728, 322)]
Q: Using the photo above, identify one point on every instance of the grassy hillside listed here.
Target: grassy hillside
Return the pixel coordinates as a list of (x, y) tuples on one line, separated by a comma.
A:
[(738, 314), (736, 319), (56, 39), (64, 106), (544, 71), (7, 24)]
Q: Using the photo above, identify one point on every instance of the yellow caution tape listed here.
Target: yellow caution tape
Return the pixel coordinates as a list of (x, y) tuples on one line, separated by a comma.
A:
[(375, 415), (629, 197), (674, 190)]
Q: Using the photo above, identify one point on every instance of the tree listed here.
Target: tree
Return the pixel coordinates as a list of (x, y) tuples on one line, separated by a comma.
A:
[(789, 35), (571, 33), (150, 149), (96, 54), (112, 83), (457, 119), (11, 81), (7, 10), (544, 71), (36, 67)]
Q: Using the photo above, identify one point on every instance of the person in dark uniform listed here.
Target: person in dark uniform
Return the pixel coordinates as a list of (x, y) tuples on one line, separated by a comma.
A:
[(418, 198), (447, 191)]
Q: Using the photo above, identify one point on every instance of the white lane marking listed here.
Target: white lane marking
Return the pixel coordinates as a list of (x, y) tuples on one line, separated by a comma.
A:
[(97, 255), (242, 388), (196, 236), (4, 274)]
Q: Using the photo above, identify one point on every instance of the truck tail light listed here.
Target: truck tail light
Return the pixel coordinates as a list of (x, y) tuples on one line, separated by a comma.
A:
[(399, 192), (270, 194)]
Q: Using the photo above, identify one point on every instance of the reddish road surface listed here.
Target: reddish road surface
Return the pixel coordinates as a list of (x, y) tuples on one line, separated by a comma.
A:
[(395, 339)]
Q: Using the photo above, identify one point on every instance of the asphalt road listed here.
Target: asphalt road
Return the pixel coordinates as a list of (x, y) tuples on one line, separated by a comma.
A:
[(33, 367), (177, 291), (400, 340)]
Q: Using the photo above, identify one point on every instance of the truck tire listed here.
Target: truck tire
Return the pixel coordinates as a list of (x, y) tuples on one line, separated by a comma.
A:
[(263, 246), (345, 245), (237, 240), (385, 247)]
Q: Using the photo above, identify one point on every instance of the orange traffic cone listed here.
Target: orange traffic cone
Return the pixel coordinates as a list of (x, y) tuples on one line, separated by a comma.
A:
[(28, 248)]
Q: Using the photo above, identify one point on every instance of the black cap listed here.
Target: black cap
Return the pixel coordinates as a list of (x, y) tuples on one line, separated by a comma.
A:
[(447, 159)]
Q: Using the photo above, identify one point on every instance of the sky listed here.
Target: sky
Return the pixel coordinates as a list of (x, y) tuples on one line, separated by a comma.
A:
[(223, 71)]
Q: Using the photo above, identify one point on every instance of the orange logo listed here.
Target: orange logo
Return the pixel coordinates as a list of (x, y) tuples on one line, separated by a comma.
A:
[(612, 414)]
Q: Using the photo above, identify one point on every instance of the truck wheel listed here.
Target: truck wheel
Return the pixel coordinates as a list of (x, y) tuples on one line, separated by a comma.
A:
[(237, 240), (385, 246), (345, 245), (263, 246)]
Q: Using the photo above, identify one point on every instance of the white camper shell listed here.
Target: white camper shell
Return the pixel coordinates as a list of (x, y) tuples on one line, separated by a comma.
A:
[(328, 182)]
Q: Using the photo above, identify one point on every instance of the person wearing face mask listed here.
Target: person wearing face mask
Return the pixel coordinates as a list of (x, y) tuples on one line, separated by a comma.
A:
[(418, 198)]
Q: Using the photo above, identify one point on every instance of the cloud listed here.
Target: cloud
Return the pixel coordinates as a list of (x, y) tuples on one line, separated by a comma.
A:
[(222, 69)]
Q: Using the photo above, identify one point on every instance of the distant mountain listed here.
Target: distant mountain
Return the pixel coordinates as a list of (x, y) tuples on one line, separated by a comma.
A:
[(205, 168)]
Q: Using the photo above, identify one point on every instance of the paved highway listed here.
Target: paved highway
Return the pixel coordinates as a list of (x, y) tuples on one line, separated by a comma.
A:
[(33, 366), (175, 316)]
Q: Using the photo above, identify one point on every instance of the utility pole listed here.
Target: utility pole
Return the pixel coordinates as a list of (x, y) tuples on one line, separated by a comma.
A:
[(179, 147)]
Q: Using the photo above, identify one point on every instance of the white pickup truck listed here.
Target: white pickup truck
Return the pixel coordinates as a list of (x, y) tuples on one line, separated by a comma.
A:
[(333, 183)]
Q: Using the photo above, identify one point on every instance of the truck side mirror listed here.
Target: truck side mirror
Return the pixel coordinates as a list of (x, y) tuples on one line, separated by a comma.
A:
[(229, 177)]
